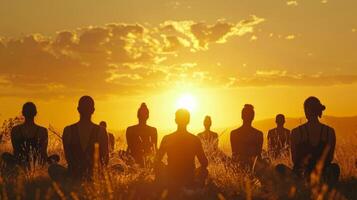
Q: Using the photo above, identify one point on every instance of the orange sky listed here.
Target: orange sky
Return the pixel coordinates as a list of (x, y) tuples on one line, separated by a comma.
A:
[(272, 54)]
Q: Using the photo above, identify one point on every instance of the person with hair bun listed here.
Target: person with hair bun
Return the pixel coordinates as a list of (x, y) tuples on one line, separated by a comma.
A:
[(246, 141), (313, 143), (141, 138)]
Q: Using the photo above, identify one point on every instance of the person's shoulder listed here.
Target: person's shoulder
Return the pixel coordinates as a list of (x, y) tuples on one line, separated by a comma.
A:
[(236, 131), (271, 131), (168, 137), (41, 128), (16, 128), (296, 131), (132, 128), (201, 134), (329, 129), (214, 133), (68, 129), (258, 132), (286, 130)]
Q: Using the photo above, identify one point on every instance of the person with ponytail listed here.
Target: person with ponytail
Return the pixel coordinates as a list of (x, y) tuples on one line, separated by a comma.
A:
[(313, 146)]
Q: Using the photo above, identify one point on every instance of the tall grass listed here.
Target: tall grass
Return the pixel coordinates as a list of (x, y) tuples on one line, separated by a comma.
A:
[(225, 181)]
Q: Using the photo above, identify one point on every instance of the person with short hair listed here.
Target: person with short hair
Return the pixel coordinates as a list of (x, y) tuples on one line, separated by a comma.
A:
[(80, 142), (142, 138), (29, 142), (279, 138), (181, 148), (246, 141)]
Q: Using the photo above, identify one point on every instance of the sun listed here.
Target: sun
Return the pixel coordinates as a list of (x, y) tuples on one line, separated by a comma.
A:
[(187, 101)]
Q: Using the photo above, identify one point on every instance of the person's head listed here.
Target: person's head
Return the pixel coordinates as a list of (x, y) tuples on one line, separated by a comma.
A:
[(182, 117), (280, 120), (143, 113), (103, 124), (86, 106), (313, 108), (29, 110), (248, 113), (207, 122)]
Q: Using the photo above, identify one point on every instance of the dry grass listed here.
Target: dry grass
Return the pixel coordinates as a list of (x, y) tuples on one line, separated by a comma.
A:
[(225, 182)]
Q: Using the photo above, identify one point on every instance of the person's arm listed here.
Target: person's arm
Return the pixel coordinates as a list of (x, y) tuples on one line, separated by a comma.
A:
[(66, 140), (216, 140), (155, 139), (288, 133), (162, 151), (43, 145), (201, 156), (332, 145), (293, 145), (103, 145), (129, 140), (270, 145), (260, 144), (234, 146), (15, 144)]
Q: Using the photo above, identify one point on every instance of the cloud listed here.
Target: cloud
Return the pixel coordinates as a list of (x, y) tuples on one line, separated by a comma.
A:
[(283, 78), (114, 58), (292, 3), (200, 34)]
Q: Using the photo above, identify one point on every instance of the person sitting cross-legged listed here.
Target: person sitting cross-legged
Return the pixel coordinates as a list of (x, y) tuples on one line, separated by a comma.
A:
[(29, 142), (246, 141), (181, 148), (279, 139), (81, 142), (313, 147)]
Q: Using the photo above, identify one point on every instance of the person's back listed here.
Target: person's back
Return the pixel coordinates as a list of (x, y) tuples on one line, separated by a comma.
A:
[(279, 138), (141, 138), (313, 142), (141, 141), (82, 143), (111, 138), (208, 138), (246, 141), (29, 143), (79, 142), (181, 148)]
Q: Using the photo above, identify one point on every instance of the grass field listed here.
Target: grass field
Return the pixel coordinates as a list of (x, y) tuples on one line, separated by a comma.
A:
[(223, 183)]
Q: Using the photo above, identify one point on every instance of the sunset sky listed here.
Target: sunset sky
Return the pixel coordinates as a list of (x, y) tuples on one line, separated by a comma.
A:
[(211, 55)]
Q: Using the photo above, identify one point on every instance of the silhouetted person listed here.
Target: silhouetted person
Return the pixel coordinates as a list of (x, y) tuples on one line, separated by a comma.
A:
[(246, 141), (79, 141), (279, 138), (29, 142), (141, 138), (111, 138), (313, 142), (181, 148), (208, 137)]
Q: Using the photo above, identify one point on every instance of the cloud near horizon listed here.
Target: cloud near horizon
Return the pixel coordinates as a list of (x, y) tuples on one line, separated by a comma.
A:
[(121, 58)]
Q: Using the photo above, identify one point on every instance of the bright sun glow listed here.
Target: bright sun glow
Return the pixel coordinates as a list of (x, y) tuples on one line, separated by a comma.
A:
[(187, 101)]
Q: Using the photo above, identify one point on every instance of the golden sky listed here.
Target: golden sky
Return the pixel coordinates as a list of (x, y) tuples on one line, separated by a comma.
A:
[(217, 54)]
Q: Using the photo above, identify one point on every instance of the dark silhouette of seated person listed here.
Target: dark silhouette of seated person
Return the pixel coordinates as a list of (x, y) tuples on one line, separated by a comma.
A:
[(111, 138), (181, 148), (246, 141), (79, 141), (279, 138), (313, 142), (142, 139), (208, 138), (29, 142)]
